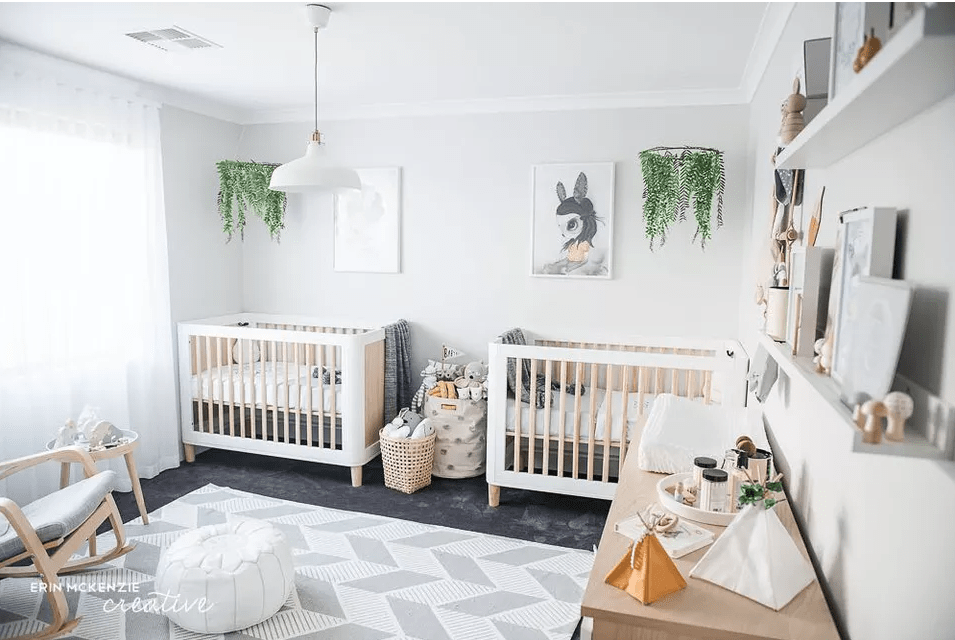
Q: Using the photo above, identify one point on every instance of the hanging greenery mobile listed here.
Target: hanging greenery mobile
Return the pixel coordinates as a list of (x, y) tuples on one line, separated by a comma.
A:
[(671, 177), (246, 185)]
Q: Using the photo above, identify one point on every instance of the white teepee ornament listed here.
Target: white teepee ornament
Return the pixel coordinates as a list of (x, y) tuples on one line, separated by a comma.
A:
[(756, 558)]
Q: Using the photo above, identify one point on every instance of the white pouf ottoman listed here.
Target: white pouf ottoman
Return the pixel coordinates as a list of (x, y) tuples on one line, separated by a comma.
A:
[(243, 570)]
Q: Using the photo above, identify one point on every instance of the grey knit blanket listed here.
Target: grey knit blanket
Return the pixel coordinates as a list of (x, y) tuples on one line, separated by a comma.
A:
[(398, 390), (516, 336)]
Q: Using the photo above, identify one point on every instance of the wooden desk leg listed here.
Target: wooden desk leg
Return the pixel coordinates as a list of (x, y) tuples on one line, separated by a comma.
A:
[(137, 490), (64, 474)]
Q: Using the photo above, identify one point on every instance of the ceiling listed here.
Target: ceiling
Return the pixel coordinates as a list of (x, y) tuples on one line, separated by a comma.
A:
[(376, 58)]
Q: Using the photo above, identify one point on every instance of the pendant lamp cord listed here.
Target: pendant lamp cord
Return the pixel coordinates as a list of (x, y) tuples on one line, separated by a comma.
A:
[(316, 77)]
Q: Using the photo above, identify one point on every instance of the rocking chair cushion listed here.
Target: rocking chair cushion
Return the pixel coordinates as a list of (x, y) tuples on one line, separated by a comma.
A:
[(58, 514)]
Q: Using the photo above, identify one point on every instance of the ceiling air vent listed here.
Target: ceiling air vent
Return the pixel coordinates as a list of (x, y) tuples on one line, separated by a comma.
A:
[(173, 39)]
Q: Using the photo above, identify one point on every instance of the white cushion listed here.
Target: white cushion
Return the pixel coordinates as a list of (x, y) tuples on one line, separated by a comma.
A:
[(243, 569), (678, 430)]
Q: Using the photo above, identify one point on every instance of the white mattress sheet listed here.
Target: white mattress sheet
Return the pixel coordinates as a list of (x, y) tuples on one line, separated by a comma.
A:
[(217, 387), (601, 428)]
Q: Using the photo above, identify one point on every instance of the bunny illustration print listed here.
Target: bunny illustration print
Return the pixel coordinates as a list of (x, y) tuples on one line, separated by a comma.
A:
[(573, 236)]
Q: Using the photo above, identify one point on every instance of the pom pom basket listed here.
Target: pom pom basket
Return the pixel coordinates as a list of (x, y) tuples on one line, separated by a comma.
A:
[(407, 462)]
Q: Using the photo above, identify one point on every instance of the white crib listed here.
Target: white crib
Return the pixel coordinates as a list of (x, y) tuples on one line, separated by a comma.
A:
[(577, 442), (267, 384)]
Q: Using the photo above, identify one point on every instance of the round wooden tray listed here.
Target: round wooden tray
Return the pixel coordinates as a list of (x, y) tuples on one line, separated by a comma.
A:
[(686, 511)]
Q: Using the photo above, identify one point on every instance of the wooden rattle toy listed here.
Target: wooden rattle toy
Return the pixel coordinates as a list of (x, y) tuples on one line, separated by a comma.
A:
[(899, 408), (665, 523), (874, 411)]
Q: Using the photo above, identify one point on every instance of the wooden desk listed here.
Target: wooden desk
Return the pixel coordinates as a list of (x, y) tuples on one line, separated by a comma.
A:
[(703, 610)]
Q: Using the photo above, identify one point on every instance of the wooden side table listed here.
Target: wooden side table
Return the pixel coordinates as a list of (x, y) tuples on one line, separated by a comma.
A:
[(125, 450)]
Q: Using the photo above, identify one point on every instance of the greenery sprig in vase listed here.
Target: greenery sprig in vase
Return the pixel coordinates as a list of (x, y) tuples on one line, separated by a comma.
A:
[(753, 491), (245, 185), (672, 176)]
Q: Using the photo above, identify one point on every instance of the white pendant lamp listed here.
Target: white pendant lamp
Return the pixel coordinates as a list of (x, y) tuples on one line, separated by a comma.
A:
[(310, 173)]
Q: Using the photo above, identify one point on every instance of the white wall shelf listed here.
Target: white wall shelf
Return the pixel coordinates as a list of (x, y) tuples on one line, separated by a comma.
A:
[(930, 433), (912, 72)]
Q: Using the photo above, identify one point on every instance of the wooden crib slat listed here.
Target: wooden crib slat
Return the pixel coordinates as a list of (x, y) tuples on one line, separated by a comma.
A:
[(263, 356), (197, 351), (517, 412), (332, 412), (624, 421), (288, 389), (321, 397), (241, 364), (275, 391), (309, 363), (221, 402), (605, 476), (253, 392), (578, 374), (674, 379), (545, 468), (562, 420), (532, 427), (298, 392), (707, 387), (209, 405), (592, 422)]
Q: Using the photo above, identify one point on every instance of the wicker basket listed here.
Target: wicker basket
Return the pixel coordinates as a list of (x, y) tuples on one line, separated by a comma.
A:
[(407, 462)]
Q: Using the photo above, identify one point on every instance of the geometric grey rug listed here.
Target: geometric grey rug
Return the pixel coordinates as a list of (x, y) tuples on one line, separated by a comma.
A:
[(358, 577)]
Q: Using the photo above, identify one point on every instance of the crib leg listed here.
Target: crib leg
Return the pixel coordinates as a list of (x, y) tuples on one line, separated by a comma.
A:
[(190, 452), (356, 476), (493, 495)]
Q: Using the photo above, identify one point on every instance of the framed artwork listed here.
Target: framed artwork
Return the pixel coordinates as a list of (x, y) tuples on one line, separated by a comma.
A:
[(808, 297), (572, 220), (853, 21), (866, 248), (878, 313), (367, 224)]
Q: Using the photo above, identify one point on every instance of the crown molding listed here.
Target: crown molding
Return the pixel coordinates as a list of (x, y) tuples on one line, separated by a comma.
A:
[(775, 18), (643, 99)]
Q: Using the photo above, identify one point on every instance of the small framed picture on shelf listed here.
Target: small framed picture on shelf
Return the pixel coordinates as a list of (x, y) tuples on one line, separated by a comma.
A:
[(866, 248), (878, 315), (854, 20), (808, 297)]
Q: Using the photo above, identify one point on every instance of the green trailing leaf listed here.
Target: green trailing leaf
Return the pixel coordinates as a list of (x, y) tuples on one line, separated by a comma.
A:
[(245, 185), (673, 178)]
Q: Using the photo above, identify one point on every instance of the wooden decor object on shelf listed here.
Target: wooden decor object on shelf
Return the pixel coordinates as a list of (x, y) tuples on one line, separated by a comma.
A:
[(793, 121), (874, 411), (815, 221), (899, 408), (870, 46)]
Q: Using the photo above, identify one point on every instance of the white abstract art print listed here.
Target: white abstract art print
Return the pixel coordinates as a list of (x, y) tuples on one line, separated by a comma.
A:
[(572, 222), (367, 224)]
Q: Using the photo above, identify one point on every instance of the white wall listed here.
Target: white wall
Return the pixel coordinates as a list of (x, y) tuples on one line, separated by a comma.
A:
[(466, 229), (205, 273), (881, 526)]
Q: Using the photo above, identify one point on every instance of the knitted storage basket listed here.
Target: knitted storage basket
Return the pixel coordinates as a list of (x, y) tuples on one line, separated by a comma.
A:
[(407, 462)]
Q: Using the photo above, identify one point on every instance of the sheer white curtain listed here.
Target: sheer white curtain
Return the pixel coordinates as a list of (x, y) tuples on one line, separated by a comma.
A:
[(84, 288)]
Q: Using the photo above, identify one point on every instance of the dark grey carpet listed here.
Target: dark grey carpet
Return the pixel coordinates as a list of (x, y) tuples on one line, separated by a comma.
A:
[(560, 520), (565, 521)]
